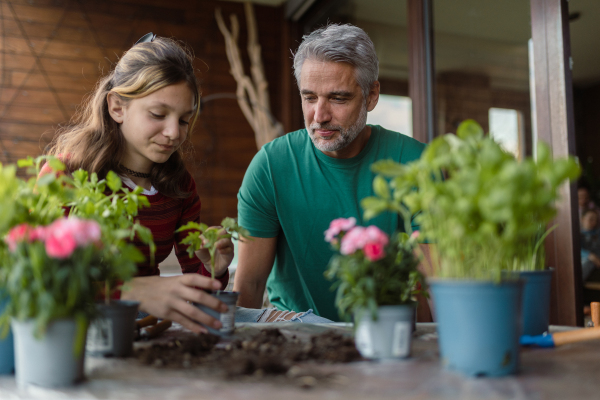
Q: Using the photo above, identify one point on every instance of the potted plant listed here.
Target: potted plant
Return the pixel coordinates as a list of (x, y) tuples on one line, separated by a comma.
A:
[(113, 207), (203, 236), (21, 202), (49, 279), (376, 279), (532, 192), (469, 196)]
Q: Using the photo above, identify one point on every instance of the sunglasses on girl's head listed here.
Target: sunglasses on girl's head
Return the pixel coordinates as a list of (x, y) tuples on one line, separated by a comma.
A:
[(148, 37)]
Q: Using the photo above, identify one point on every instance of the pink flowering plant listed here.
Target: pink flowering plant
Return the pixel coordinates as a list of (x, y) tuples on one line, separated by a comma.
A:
[(49, 272), (371, 269)]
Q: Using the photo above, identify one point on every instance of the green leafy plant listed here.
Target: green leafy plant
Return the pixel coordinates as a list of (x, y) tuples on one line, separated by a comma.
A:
[(203, 236), (114, 207), (371, 270), (484, 210)]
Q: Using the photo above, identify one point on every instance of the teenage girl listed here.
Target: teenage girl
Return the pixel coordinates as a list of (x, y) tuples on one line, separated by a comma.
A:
[(136, 123)]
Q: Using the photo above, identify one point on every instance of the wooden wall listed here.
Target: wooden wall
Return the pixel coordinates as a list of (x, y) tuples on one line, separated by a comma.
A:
[(53, 51)]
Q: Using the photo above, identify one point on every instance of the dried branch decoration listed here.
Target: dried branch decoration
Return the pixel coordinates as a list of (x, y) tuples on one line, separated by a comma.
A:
[(252, 93)]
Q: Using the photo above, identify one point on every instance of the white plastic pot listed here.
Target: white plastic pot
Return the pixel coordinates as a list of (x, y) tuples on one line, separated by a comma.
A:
[(389, 336), (52, 360)]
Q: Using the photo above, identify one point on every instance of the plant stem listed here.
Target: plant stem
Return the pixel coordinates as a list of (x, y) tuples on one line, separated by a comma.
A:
[(212, 252)]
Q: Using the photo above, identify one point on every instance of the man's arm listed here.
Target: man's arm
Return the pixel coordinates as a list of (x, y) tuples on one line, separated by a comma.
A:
[(256, 257)]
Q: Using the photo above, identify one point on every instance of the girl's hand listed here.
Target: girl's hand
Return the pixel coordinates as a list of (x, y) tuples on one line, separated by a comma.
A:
[(172, 298), (223, 255)]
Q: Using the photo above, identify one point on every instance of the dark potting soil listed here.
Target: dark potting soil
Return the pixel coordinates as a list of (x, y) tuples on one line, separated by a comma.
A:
[(268, 353)]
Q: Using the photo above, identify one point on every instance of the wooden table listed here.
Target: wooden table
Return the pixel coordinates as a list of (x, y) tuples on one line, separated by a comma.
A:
[(568, 372)]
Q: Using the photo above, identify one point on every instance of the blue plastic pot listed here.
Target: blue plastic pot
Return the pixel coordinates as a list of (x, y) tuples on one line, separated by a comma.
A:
[(7, 352), (479, 324), (536, 301)]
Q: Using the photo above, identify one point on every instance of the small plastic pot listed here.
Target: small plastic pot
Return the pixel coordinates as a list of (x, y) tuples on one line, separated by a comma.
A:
[(226, 318), (52, 360), (112, 333), (387, 337)]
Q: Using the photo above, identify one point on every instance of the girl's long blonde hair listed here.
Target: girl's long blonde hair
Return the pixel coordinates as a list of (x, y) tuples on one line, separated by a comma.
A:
[(93, 141)]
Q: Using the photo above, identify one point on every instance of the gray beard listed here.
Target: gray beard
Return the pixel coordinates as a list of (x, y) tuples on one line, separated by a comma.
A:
[(345, 137)]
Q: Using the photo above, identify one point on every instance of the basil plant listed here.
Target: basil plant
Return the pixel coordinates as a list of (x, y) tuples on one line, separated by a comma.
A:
[(483, 210)]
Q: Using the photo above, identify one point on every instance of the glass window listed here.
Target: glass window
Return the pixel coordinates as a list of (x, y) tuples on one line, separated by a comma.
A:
[(393, 113), (482, 63), (506, 129)]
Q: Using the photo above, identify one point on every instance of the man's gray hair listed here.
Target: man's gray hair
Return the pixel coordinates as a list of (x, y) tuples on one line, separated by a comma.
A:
[(341, 43)]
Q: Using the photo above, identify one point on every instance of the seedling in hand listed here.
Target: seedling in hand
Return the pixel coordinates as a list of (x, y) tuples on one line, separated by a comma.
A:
[(205, 237)]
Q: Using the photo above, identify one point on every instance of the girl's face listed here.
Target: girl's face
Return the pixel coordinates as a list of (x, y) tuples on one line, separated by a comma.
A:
[(153, 126)]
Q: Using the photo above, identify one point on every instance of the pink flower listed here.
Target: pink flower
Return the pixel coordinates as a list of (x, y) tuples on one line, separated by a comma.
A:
[(337, 226), (373, 251), (60, 246), (17, 234), (64, 235), (84, 232), (358, 237), (414, 235), (376, 235), (88, 233), (353, 240), (37, 233)]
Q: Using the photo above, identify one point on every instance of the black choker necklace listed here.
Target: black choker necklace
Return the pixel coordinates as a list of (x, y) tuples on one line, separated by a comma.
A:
[(134, 173)]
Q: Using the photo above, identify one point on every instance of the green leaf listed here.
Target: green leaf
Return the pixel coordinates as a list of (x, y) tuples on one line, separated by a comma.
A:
[(80, 176), (56, 164), (113, 181), (28, 162), (193, 225), (373, 206), (381, 187), (469, 128), (46, 179), (388, 168)]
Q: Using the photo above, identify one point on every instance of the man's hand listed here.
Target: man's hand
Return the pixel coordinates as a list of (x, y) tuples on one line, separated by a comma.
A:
[(223, 255), (171, 298)]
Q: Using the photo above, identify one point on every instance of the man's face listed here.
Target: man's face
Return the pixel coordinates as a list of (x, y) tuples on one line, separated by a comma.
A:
[(335, 111)]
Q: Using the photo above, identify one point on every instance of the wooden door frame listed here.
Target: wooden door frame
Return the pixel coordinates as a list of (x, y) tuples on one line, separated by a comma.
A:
[(555, 125), (421, 69)]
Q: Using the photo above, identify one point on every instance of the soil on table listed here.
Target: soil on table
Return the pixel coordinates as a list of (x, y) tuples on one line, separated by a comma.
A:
[(267, 353)]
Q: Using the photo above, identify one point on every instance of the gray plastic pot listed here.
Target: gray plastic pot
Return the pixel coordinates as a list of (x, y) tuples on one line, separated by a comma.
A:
[(50, 361), (226, 318), (389, 336), (112, 333)]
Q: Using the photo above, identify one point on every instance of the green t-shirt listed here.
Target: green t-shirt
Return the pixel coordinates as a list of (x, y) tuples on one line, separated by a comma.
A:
[(293, 191)]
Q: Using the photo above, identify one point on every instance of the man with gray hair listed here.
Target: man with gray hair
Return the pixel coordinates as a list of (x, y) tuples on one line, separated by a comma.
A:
[(297, 184)]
